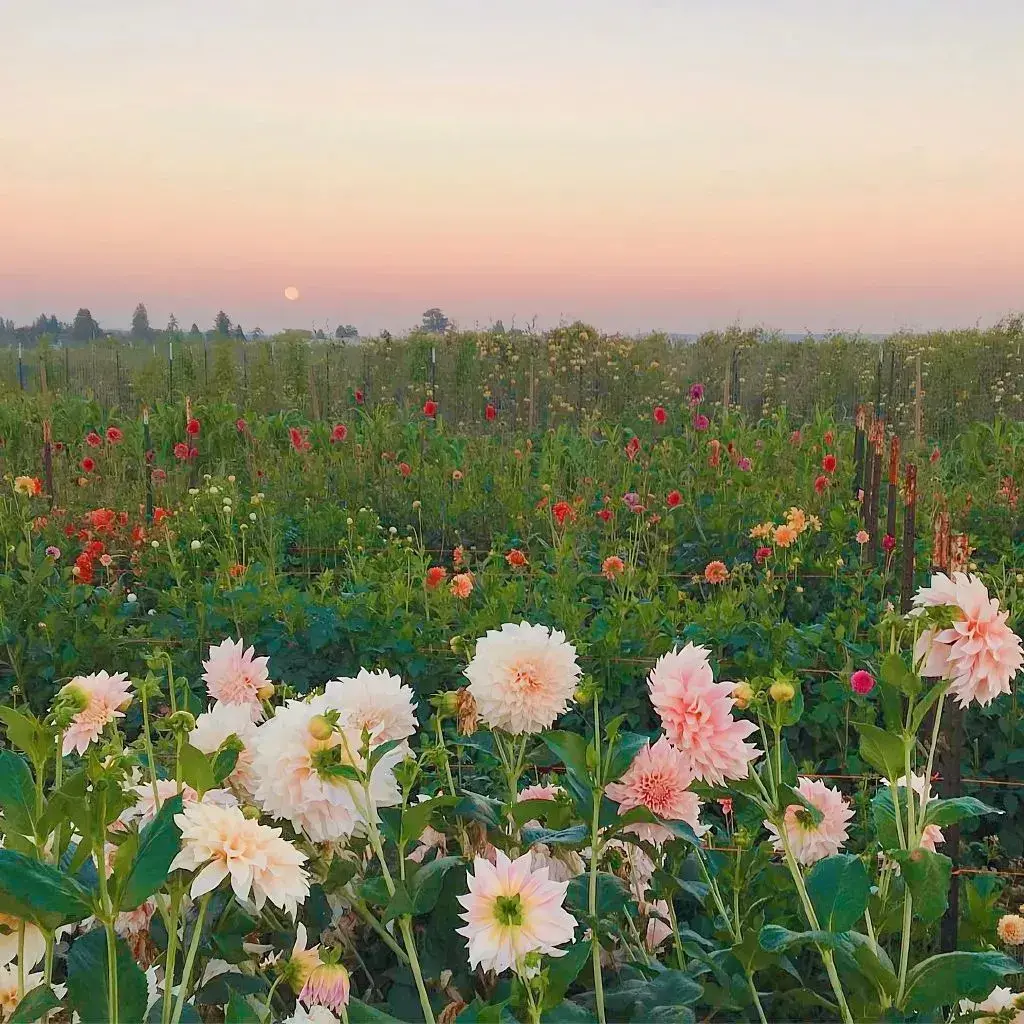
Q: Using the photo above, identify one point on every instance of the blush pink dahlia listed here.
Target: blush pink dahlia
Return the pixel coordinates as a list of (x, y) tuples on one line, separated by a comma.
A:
[(522, 677), (979, 654), (810, 842), (1000, 1006), (511, 911), (376, 701), (216, 726), (235, 676), (659, 779), (99, 698), (696, 714)]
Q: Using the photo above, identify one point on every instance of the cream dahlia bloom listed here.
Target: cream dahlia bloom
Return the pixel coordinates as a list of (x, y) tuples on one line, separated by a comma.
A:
[(289, 786), (979, 654), (34, 942), (225, 844), (512, 910), (995, 1006), (145, 807), (314, 1015), (810, 842), (9, 991), (100, 697), (522, 677), (376, 701), (235, 675), (1010, 929), (214, 727), (696, 714), (658, 779)]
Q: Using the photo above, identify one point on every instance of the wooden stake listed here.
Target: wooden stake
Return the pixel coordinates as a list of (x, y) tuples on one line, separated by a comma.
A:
[(894, 476), (909, 516), (858, 454)]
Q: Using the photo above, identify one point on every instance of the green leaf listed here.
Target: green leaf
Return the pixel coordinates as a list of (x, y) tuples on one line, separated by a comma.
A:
[(17, 794), (159, 843), (627, 746), (360, 1013), (197, 769), (949, 812), (839, 889), (892, 706), (924, 705), (945, 979), (571, 749), (479, 808), (568, 1012), (35, 1005), (374, 890), (37, 892), (883, 813), (883, 750), (894, 671), (789, 796), (532, 810), (340, 873), (425, 884), (775, 938), (573, 836), (87, 974), (612, 893), (377, 753), (562, 971), (398, 905), (238, 1010), (416, 817), (26, 733), (224, 764), (926, 875), (221, 987)]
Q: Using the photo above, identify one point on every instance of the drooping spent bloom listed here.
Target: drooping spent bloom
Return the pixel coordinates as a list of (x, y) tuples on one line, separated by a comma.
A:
[(522, 677), (328, 985), (612, 567), (821, 484), (512, 910), (696, 394), (811, 842), (1001, 1005), (862, 682), (696, 714), (234, 674), (291, 782), (99, 698), (215, 727), (744, 465), (979, 653), (376, 701), (659, 779), (716, 572), (632, 448), (224, 843), (299, 439), (888, 543)]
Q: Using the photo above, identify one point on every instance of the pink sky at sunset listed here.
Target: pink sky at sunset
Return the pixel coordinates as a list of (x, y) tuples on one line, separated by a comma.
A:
[(685, 165)]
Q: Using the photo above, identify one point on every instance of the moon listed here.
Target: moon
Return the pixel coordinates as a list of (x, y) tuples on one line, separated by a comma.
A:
[(291, 293)]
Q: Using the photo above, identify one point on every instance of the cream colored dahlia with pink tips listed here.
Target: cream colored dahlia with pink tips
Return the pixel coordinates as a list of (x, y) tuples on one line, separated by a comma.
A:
[(511, 911), (233, 674), (214, 727), (540, 791), (979, 654), (1001, 1004), (696, 714), (810, 842), (522, 677), (100, 698), (658, 779), (376, 701)]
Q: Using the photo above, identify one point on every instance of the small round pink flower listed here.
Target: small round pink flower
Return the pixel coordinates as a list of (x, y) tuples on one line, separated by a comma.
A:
[(810, 842), (659, 779), (53, 552), (862, 537), (862, 682), (100, 697), (696, 714), (234, 675)]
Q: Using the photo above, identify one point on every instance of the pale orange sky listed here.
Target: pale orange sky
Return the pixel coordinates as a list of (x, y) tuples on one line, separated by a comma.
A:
[(804, 165)]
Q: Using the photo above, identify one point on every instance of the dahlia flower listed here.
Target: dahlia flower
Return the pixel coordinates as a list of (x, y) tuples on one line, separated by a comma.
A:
[(216, 726), (979, 654), (327, 985), (994, 1007), (658, 779), (657, 930), (376, 701), (99, 698), (10, 993), (34, 943), (225, 844), (145, 807), (512, 910), (810, 842), (314, 1015), (695, 713), (289, 786), (522, 677), (235, 676), (538, 791), (1010, 929)]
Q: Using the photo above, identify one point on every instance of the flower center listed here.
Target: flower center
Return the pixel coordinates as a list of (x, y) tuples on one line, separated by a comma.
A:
[(525, 678), (508, 910), (803, 818), (656, 793)]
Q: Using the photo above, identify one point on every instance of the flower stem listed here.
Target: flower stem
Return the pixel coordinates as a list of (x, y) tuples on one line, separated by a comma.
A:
[(172, 953), (190, 958), (405, 924), (592, 906)]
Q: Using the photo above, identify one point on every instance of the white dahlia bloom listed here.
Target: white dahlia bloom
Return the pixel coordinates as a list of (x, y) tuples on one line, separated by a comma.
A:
[(522, 677), (376, 701), (215, 726), (289, 786), (235, 675)]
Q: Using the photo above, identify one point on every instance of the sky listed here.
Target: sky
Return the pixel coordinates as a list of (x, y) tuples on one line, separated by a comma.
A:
[(678, 165)]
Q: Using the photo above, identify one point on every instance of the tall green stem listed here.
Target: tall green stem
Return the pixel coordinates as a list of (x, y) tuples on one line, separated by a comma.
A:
[(190, 958), (595, 850)]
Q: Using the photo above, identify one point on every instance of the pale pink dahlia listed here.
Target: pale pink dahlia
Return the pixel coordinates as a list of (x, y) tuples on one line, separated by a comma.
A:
[(696, 714), (376, 701), (1001, 1004), (537, 791), (226, 844), (216, 726), (658, 779), (658, 929), (522, 677), (808, 841), (99, 698), (979, 654), (327, 985), (146, 802), (290, 786), (235, 676), (512, 910)]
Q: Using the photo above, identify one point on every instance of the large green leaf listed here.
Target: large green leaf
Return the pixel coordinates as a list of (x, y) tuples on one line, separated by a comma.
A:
[(26, 733), (197, 769), (416, 817), (484, 809), (894, 671), (612, 893), (568, 1012), (17, 794), (575, 835), (360, 1013), (927, 877), (945, 979), (35, 891), (839, 889), (627, 746), (775, 938), (35, 1005), (425, 884), (571, 749), (159, 843), (949, 812), (883, 813), (562, 971), (882, 750), (87, 974)]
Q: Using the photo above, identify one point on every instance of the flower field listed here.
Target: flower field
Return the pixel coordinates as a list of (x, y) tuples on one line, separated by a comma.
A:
[(674, 716)]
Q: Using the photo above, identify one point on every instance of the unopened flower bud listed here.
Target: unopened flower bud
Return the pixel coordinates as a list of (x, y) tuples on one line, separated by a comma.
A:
[(743, 694), (251, 812), (181, 722), (447, 703), (320, 728), (266, 691), (782, 692)]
